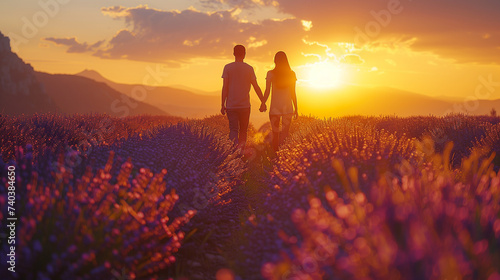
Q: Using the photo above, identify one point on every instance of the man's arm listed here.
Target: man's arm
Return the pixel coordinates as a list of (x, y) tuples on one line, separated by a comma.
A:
[(267, 92), (225, 91), (257, 90), (259, 94)]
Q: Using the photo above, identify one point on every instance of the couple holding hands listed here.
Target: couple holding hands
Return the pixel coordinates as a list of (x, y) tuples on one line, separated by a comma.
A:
[(280, 84)]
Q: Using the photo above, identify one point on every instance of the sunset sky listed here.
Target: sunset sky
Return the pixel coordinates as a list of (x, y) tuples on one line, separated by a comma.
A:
[(433, 47)]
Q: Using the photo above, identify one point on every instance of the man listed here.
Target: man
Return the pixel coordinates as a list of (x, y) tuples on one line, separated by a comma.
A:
[(238, 77)]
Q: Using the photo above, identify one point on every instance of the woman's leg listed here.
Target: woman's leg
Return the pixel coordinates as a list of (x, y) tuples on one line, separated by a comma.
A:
[(285, 127), (275, 126)]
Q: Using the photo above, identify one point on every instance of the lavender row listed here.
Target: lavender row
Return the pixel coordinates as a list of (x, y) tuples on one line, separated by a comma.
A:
[(434, 223), (93, 226)]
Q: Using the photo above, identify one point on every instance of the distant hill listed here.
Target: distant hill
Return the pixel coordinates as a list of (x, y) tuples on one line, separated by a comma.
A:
[(198, 91), (357, 100), (177, 102), (485, 107), (347, 100), (96, 76), (182, 102), (20, 91), (25, 91), (75, 94)]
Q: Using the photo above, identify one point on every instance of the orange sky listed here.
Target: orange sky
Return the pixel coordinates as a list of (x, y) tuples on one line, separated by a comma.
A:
[(438, 48)]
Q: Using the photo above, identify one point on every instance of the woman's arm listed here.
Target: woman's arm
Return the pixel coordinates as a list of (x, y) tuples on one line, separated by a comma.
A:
[(294, 100), (267, 92)]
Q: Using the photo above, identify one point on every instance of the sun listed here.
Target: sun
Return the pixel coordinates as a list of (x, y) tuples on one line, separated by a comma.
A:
[(323, 75)]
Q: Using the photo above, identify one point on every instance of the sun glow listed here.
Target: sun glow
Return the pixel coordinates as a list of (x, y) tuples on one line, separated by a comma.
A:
[(323, 75)]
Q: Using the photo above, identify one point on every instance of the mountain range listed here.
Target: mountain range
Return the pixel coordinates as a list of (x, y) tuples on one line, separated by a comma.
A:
[(342, 101), (179, 101), (25, 91), (375, 101), (175, 101), (74, 94)]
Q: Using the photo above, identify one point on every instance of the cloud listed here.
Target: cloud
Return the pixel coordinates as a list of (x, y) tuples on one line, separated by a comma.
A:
[(73, 45), (352, 59), (467, 31), (233, 3), (307, 24), (464, 30), (179, 36)]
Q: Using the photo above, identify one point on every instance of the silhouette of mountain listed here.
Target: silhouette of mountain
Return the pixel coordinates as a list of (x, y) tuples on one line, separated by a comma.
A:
[(25, 91), (177, 102), (198, 91), (358, 100), (94, 75), (20, 91), (75, 94), (485, 106), (180, 102), (347, 100)]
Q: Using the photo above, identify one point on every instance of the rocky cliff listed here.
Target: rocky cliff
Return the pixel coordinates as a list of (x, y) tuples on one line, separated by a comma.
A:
[(20, 91)]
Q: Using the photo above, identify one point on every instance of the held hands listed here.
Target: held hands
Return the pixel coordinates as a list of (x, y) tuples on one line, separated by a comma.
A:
[(263, 107)]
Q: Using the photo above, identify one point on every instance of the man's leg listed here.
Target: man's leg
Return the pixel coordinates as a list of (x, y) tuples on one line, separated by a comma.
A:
[(232, 116), (244, 119)]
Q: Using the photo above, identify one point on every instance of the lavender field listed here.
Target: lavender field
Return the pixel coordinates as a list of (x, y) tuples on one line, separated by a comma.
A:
[(150, 197)]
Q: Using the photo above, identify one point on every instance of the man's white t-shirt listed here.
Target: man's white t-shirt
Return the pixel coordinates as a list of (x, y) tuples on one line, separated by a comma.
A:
[(240, 76), (281, 98)]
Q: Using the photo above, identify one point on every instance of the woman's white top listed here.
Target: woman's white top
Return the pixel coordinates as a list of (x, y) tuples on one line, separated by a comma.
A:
[(281, 97)]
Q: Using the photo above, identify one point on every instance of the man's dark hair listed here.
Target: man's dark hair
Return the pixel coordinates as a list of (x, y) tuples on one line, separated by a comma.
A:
[(239, 50)]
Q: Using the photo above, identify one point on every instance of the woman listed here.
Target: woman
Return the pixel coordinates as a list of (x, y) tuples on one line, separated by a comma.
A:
[(283, 100)]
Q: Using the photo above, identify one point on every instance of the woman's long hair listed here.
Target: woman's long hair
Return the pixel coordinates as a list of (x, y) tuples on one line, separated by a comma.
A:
[(282, 71)]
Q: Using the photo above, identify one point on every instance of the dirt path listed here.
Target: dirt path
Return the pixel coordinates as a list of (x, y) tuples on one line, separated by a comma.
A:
[(211, 243)]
